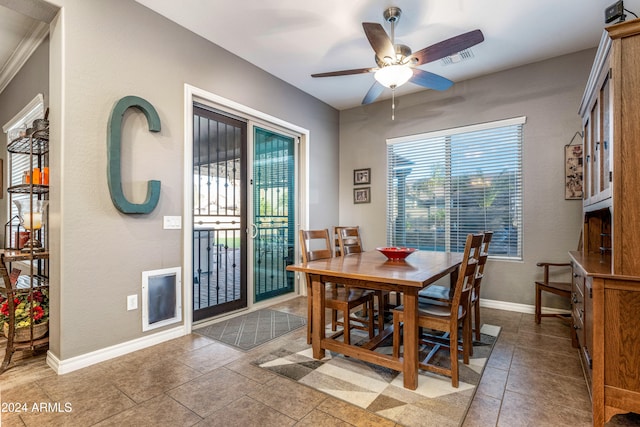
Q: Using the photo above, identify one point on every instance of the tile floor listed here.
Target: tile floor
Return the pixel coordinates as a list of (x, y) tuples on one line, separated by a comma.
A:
[(533, 378)]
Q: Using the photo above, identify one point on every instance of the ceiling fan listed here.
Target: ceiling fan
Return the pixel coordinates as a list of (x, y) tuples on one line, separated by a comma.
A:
[(397, 64)]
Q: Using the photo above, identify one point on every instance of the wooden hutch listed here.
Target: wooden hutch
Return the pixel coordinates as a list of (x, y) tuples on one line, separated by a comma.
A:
[(606, 273)]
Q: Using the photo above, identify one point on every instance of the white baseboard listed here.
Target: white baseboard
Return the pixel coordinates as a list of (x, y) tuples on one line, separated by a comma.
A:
[(88, 359), (520, 308)]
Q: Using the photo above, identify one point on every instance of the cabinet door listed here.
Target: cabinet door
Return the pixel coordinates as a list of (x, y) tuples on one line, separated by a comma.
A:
[(577, 305), (587, 349), (606, 137), (595, 150), (598, 140), (586, 164)]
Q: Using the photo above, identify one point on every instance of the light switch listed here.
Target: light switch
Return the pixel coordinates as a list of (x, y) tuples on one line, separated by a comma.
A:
[(172, 222), (132, 302)]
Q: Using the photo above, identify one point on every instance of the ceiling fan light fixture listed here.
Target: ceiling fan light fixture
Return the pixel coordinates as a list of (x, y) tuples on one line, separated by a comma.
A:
[(393, 76)]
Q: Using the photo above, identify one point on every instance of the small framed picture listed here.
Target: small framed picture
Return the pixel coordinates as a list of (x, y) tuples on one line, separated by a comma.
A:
[(361, 176), (362, 195), (573, 172)]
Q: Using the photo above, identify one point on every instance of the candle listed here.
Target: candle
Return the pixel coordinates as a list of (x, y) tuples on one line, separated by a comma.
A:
[(45, 175), (37, 220), (36, 176)]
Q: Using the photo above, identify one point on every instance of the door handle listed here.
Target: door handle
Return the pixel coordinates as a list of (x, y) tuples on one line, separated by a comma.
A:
[(254, 231)]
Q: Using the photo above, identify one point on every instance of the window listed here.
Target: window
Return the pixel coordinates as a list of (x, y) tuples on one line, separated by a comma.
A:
[(443, 185)]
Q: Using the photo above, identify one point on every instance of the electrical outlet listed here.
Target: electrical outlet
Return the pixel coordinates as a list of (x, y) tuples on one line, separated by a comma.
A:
[(132, 302)]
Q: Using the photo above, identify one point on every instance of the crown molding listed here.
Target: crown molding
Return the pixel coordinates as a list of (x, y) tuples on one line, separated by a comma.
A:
[(39, 32)]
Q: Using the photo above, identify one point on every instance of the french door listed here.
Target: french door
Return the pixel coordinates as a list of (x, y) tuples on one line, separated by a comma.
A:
[(273, 219), (240, 168)]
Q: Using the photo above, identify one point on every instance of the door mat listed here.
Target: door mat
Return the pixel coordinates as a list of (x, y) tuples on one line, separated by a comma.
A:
[(380, 390), (252, 329)]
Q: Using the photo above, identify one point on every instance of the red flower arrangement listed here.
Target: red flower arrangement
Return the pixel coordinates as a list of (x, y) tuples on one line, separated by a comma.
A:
[(28, 307)]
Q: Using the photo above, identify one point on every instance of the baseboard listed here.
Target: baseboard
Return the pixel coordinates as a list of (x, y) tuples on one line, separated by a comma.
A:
[(520, 308), (88, 359)]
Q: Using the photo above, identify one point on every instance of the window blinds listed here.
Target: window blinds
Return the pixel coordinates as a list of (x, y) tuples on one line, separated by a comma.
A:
[(446, 184)]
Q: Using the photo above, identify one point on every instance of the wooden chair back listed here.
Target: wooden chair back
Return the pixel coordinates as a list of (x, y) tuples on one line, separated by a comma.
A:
[(482, 260), (466, 275), (349, 240), (315, 244), (336, 239)]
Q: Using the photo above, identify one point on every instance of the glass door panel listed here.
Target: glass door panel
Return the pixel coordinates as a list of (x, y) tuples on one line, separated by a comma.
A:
[(273, 213)]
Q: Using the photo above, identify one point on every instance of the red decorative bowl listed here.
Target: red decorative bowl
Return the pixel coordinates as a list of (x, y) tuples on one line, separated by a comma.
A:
[(396, 254)]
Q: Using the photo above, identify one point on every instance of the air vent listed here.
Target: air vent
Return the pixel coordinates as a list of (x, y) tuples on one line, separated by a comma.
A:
[(463, 55)]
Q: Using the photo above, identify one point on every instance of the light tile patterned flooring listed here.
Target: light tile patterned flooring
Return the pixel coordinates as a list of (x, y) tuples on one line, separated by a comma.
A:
[(533, 378)]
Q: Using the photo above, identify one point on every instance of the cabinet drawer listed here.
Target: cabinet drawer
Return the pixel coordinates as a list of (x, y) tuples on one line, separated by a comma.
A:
[(577, 304)]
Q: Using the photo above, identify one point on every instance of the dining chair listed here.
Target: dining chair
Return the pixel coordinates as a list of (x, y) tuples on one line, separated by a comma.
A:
[(444, 293), (350, 242), (447, 318), (475, 294), (315, 245)]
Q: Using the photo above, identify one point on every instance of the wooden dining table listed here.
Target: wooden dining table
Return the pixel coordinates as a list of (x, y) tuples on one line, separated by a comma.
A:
[(372, 270)]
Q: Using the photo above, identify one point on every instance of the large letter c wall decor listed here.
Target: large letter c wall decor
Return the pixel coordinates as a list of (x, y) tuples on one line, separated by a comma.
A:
[(114, 150)]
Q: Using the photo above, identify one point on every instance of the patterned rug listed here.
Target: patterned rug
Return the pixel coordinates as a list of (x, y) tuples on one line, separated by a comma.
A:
[(380, 390), (252, 329)]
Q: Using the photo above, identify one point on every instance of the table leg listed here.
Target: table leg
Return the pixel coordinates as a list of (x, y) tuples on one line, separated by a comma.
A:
[(410, 338), (318, 326)]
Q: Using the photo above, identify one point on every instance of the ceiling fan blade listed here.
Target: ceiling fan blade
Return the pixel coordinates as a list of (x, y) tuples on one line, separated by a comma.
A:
[(448, 47), (430, 80), (345, 72), (379, 40), (374, 92)]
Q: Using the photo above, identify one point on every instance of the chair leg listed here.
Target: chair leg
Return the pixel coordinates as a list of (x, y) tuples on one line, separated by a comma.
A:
[(346, 324), (396, 334), (371, 318), (538, 304), (334, 319), (476, 318), (467, 339), (381, 307), (453, 351)]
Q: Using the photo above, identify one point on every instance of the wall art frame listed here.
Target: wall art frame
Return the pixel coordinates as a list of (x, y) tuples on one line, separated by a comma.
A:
[(573, 168), (362, 176), (362, 195)]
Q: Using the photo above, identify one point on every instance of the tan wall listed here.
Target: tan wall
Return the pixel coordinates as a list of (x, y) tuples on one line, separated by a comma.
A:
[(547, 92), (105, 50)]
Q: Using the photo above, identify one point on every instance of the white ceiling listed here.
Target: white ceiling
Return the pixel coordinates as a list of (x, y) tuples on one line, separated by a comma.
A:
[(23, 26), (15, 28), (293, 39)]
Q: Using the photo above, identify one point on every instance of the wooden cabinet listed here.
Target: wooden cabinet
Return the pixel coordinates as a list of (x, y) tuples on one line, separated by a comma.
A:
[(608, 334), (606, 282)]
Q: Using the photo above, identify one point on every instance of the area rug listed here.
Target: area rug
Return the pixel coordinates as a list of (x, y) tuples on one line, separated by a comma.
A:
[(252, 329), (380, 390)]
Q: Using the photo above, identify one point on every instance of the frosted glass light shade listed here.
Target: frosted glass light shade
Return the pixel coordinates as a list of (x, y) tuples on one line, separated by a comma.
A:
[(393, 76)]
